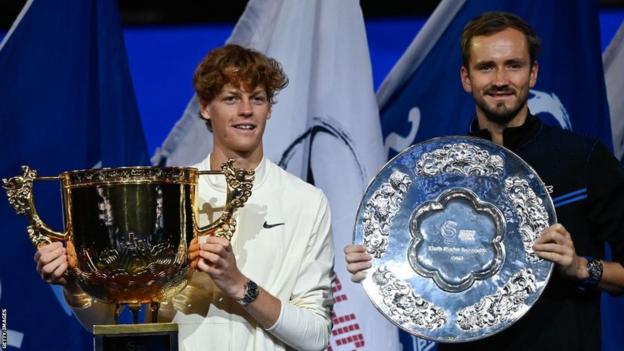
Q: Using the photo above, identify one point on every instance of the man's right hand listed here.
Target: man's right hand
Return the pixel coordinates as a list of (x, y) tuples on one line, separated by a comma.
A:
[(358, 261), (51, 263)]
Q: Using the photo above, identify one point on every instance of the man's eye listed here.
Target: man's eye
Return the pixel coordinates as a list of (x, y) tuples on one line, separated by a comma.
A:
[(229, 99), (485, 68), (260, 99)]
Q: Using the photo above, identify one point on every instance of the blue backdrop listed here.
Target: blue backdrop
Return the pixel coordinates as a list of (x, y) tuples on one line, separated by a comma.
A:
[(66, 102), (162, 60)]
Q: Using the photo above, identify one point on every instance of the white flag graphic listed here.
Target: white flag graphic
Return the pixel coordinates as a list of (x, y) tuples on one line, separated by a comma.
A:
[(325, 128), (613, 63)]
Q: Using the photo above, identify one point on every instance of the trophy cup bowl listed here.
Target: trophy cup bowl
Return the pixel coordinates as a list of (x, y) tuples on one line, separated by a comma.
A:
[(128, 230)]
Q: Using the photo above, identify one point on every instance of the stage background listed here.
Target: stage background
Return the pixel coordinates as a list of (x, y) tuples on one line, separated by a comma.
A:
[(162, 59)]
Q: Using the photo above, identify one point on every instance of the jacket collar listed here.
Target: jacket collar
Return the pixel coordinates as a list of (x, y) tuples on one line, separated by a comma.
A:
[(513, 137)]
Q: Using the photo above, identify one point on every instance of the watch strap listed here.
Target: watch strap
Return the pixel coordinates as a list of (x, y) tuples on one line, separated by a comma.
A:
[(594, 269)]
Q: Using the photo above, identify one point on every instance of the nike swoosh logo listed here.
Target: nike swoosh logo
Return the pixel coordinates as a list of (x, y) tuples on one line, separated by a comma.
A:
[(269, 226)]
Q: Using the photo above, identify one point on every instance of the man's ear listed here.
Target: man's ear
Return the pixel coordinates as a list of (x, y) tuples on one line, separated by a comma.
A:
[(533, 74), (464, 75), (203, 111)]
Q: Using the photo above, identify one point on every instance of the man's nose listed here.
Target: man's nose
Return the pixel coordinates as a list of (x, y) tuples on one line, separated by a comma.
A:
[(245, 108), (500, 77)]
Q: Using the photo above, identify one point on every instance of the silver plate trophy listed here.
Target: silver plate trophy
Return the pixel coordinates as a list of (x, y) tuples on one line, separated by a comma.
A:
[(450, 223)]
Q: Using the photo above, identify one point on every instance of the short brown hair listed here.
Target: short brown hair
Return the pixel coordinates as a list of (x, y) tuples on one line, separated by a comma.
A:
[(494, 22)]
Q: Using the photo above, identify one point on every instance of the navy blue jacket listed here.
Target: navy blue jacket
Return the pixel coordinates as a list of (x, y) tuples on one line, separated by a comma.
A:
[(587, 186)]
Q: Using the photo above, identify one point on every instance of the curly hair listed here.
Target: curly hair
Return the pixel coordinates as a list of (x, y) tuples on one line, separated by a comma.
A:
[(241, 67)]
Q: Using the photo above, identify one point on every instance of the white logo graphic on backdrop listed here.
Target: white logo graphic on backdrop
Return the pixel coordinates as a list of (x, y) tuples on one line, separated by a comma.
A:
[(542, 102), (422, 345), (13, 338), (397, 142)]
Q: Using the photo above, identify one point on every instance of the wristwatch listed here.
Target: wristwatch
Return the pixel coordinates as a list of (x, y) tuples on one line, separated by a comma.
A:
[(251, 293), (594, 269)]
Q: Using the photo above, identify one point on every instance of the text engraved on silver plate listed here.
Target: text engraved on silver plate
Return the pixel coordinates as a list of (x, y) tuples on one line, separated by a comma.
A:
[(380, 209), (531, 212), (463, 158), (456, 253), (404, 305), (494, 310)]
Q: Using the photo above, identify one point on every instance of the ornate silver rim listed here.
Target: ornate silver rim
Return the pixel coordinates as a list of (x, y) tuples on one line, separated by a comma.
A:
[(391, 287)]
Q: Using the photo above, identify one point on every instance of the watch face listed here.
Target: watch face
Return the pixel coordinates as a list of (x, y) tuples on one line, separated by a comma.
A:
[(251, 292), (252, 289), (594, 268)]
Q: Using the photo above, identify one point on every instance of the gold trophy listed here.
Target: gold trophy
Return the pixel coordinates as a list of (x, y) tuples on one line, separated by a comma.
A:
[(128, 230)]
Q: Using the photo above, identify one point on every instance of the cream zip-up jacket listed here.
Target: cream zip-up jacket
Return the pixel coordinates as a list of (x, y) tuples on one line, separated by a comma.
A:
[(283, 243)]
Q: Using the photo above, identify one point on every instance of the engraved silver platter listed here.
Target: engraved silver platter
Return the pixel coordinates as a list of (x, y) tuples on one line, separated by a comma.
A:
[(450, 223)]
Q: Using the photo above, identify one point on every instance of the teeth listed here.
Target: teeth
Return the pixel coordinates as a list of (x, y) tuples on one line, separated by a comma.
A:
[(245, 126)]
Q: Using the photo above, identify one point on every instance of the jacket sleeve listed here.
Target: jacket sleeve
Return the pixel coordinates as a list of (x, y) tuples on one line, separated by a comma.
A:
[(606, 194), (304, 322)]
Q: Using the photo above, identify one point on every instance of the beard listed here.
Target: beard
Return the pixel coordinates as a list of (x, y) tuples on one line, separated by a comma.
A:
[(500, 113)]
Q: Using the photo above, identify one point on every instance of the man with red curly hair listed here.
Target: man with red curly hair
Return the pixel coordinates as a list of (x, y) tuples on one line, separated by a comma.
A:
[(270, 287)]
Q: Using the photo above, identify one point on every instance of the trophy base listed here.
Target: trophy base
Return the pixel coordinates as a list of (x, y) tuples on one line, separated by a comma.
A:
[(150, 336)]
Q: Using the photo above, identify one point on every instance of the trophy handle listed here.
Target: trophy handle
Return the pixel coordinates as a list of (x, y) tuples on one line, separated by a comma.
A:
[(20, 193), (239, 184)]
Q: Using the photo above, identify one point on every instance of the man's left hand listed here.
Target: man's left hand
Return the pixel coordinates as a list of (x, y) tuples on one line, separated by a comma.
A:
[(217, 260), (555, 244)]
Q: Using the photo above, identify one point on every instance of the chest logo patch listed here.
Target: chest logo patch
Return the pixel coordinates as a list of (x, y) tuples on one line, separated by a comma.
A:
[(273, 225)]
